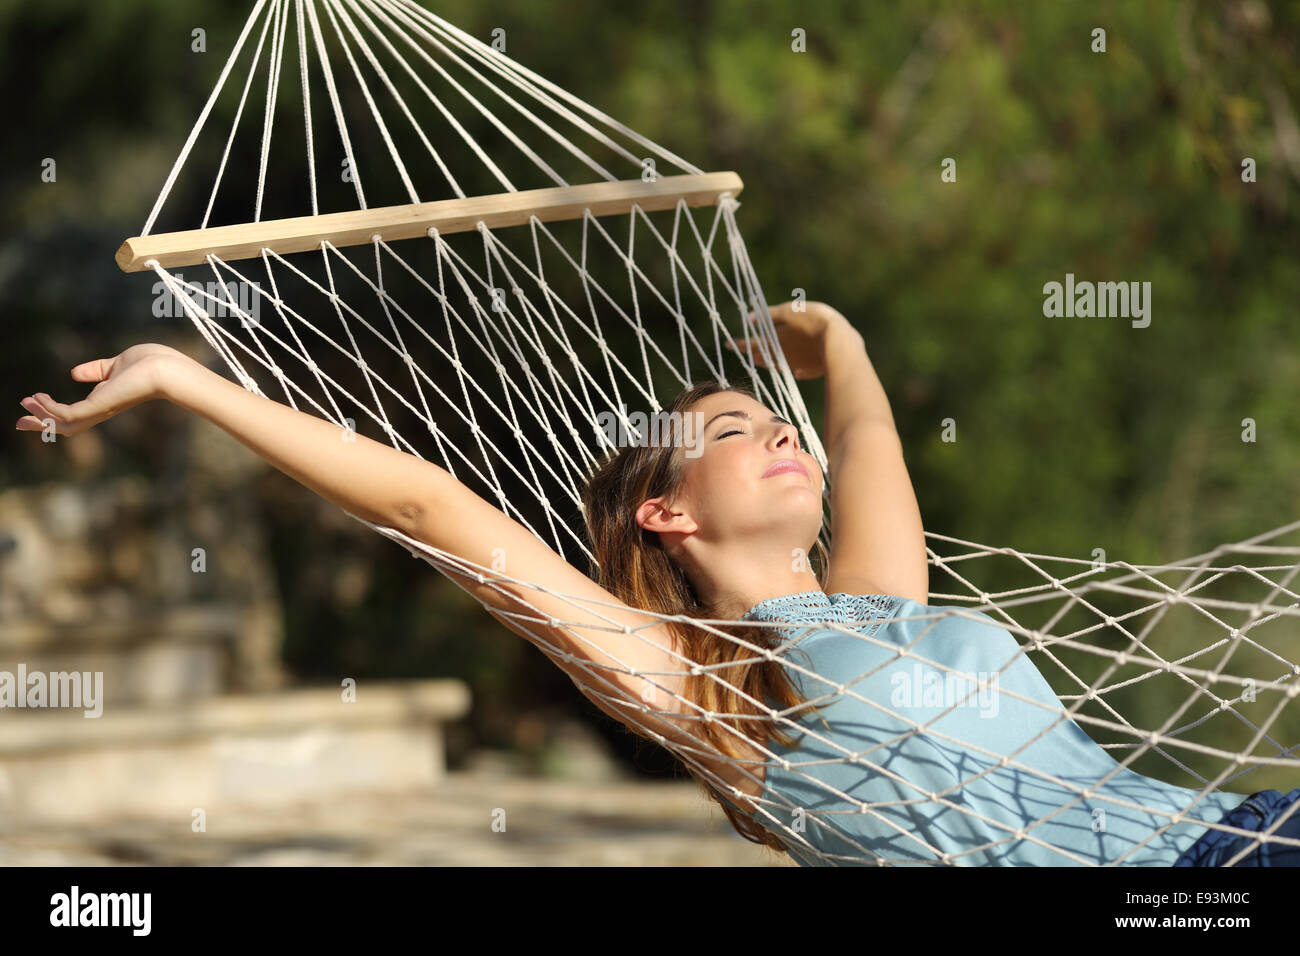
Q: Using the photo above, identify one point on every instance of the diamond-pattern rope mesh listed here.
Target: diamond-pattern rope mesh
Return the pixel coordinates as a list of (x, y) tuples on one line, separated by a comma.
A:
[(501, 355)]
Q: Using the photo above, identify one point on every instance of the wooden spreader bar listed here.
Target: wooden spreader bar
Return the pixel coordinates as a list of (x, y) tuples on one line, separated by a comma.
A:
[(414, 220)]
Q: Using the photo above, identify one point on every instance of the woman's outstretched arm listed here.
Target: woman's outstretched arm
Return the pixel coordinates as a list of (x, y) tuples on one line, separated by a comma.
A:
[(608, 648), (626, 662), (374, 481)]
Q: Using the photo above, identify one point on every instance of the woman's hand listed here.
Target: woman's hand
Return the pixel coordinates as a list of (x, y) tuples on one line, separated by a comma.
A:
[(124, 381), (803, 336)]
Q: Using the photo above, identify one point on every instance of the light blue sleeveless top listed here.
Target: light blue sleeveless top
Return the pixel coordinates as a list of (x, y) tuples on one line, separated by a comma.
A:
[(908, 774)]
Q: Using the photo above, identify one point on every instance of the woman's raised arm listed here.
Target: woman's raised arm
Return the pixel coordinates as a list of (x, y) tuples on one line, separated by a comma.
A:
[(877, 539)]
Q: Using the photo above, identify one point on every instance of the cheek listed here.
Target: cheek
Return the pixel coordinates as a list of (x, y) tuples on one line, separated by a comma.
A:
[(718, 481), (815, 470)]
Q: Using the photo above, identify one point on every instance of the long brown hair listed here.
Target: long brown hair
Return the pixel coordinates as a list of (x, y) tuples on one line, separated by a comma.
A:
[(633, 565)]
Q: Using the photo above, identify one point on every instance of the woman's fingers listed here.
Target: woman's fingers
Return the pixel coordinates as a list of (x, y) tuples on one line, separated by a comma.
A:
[(745, 346), (58, 409), (36, 420), (68, 419), (30, 423), (95, 370), (33, 405), (40, 412), (758, 359), (120, 383)]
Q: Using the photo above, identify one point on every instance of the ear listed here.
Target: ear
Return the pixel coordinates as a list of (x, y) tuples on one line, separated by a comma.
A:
[(655, 514)]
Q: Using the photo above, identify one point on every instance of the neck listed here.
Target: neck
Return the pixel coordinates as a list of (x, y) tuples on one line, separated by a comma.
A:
[(749, 579)]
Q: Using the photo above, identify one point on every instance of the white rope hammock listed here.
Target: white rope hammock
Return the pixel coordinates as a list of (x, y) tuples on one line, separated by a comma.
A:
[(499, 369)]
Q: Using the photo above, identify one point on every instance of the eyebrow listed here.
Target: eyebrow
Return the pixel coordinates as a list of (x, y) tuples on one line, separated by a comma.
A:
[(739, 414)]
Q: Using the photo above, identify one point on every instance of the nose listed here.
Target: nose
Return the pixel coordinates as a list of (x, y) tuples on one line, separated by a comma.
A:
[(785, 434)]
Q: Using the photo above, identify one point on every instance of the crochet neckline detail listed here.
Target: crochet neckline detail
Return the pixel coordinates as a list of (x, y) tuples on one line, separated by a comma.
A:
[(825, 602)]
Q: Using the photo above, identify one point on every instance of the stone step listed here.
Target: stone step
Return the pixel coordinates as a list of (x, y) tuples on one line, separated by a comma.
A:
[(151, 658), (235, 750), (468, 819)]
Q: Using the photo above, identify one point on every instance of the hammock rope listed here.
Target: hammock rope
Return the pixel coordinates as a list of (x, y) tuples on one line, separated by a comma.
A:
[(535, 377)]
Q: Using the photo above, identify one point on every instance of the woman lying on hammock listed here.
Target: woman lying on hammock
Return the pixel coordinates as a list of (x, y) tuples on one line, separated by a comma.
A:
[(796, 746)]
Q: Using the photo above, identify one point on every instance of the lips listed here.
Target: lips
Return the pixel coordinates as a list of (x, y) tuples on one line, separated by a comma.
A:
[(785, 466)]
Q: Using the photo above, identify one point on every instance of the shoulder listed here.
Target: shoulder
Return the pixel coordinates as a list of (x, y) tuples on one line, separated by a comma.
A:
[(897, 608), (899, 620)]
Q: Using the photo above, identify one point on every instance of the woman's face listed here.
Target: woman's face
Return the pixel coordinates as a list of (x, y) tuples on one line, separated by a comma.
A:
[(746, 475)]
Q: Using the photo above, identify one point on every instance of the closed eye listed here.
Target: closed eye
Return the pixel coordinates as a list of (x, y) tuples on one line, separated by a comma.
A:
[(736, 431)]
